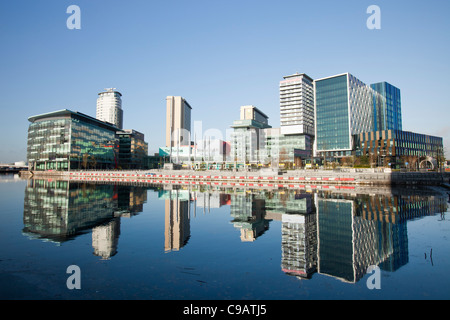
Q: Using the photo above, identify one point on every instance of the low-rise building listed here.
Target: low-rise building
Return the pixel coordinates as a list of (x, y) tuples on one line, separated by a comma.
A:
[(133, 150), (65, 140), (396, 147)]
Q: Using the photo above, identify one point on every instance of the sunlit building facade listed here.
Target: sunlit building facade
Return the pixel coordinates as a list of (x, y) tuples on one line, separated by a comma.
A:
[(109, 107), (392, 145), (387, 107), (133, 150), (178, 121), (65, 140), (248, 138), (343, 108)]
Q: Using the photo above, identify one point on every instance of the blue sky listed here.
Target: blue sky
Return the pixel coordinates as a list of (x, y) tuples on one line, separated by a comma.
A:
[(219, 55)]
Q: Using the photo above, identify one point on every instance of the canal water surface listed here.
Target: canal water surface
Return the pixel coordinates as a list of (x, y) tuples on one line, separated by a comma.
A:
[(71, 240)]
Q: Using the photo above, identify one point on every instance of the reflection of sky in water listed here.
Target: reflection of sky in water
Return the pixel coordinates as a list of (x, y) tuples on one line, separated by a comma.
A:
[(132, 242)]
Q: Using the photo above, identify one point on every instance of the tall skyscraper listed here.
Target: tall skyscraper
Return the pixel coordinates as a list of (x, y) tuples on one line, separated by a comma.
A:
[(387, 108), (109, 107), (343, 108), (297, 104), (178, 121)]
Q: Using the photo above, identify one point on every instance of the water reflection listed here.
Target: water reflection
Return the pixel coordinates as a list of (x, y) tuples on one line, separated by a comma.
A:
[(177, 218), (59, 211), (335, 233)]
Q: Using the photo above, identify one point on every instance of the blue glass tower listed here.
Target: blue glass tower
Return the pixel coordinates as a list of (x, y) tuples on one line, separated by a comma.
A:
[(387, 110), (343, 107)]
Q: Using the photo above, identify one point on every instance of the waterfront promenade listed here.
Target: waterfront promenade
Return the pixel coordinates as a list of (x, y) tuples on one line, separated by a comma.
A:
[(295, 178)]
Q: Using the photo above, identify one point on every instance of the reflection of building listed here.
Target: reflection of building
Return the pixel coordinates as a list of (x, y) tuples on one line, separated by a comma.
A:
[(298, 231), (290, 202), (59, 210), (105, 238), (177, 221), (109, 107), (131, 200), (299, 245), (248, 214), (62, 210), (349, 244), (64, 140), (208, 200)]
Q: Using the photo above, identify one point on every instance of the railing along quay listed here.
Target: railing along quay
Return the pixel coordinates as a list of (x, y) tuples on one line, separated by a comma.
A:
[(314, 179)]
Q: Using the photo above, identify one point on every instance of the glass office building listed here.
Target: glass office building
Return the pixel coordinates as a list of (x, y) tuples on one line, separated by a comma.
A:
[(343, 107), (133, 150), (64, 140), (387, 110)]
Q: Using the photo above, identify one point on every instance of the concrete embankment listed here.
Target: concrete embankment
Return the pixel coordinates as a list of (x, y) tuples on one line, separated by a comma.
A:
[(298, 178)]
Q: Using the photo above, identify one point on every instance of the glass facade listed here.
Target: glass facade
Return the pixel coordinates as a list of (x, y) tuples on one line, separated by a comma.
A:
[(332, 114), (387, 109), (60, 210), (246, 140), (133, 150), (396, 143), (65, 140), (48, 146), (343, 108)]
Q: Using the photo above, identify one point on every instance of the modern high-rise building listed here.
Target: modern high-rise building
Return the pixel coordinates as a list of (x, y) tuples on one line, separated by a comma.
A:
[(343, 108), (178, 122), (387, 108), (297, 104), (109, 107)]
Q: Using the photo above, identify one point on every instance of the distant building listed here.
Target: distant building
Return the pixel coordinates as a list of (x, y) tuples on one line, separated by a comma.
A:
[(203, 152), (109, 107), (247, 138), (178, 121), (65, 140)]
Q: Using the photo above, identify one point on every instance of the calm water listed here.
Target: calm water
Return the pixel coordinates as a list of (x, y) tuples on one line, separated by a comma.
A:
[(135, 242)]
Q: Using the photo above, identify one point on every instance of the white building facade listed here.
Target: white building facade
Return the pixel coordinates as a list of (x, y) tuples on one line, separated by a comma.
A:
[(297, 104), (109, 107)]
